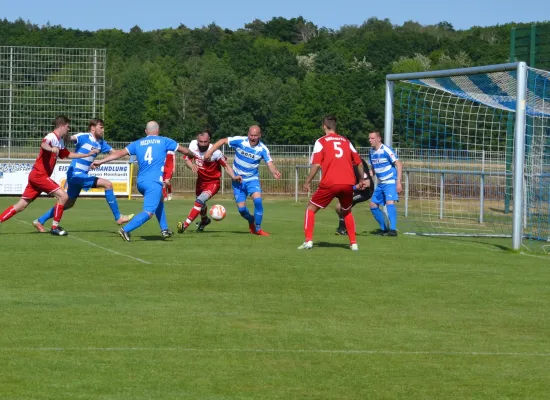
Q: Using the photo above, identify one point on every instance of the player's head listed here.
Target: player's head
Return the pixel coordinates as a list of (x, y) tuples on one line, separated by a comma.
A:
[(62, 125), (254, 135), (152, 128), (203, 141), (375, 139), (96, 127), (329, 123)]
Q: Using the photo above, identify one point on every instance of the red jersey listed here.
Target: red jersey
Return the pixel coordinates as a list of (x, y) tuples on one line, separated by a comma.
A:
[(209, 171), (45, 162), (169, 164), (336, 156)]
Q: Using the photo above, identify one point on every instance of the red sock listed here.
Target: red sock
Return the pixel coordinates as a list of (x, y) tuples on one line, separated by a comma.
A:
[(169, 188), (204, 209), (57, 213), (7, 214), (309, 223), (350, 227), (193, 214), (164, 194)]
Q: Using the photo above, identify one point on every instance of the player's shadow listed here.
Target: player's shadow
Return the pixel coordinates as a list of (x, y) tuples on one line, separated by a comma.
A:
[(91, 231), (154, 238), (331, 244)]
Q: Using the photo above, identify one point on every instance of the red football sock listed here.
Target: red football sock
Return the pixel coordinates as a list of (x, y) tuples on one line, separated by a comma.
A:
[(309, 223), (169, 188), (193, 214), (164, 194), (57, 214), (350, 227), (8, 213)]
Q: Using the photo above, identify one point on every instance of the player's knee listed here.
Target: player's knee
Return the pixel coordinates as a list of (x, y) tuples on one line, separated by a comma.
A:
[(390, 202), (373, 205), (150, 214), (107, 185)]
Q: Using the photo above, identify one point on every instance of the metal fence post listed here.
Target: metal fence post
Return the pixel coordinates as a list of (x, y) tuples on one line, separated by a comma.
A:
[(441, 195), (406, 194)]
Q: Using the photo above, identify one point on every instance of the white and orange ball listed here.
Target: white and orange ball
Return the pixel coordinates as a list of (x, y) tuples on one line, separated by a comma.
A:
[(217, 212)]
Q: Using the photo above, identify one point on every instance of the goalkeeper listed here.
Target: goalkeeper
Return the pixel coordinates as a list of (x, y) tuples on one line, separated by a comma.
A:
[(359, 196)]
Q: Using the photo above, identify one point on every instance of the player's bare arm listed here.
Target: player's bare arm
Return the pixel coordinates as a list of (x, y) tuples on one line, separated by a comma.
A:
[(274, 171), (215, 146), (77, 155), (231, 173), (363, 183), (399, 167), (115, 155), (45, 146), (191, 165), (185, 151), (312, 172)]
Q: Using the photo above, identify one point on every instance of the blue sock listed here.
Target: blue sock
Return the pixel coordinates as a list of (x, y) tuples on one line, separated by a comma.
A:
[(379, 217), (111, 200), (392, 216), (246, 214), (48, 215), (136, 222), (258, 213), (161, 216)]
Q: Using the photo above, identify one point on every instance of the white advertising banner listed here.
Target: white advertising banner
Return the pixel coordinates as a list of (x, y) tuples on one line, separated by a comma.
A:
[(14, 177)]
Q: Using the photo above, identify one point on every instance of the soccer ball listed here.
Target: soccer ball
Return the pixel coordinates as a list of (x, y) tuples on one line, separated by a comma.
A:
[(217, 212)]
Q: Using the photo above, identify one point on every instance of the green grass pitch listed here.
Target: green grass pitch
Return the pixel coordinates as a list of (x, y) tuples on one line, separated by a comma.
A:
[(228, 315)]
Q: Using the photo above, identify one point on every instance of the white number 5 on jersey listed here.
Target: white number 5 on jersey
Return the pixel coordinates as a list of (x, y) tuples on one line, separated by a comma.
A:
[(149, 154), (338, 149)]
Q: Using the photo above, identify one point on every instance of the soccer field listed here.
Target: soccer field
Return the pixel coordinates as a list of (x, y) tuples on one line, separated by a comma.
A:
[(227, 315)]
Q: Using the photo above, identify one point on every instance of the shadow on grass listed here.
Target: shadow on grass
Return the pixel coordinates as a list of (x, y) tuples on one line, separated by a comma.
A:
[(467, 240), (330, 244)]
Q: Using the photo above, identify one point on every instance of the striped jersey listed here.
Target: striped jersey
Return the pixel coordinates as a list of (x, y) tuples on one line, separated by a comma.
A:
[(86, 142), (248, 157), (382, 161)]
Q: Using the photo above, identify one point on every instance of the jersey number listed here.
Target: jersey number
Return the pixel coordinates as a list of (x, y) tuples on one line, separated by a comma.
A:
[(149, 154), (338, 149)]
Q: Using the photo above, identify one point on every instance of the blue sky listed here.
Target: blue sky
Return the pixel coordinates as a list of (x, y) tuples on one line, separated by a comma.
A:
[(158, 14)]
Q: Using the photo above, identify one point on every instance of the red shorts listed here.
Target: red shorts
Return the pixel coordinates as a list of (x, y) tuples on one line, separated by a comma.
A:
[(39, 184), (324, 195), (209, 187)]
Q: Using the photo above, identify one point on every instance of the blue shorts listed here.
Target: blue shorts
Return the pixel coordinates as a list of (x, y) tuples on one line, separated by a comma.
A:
[(77, 182), (152, 195), (385, 192), (242, 190)]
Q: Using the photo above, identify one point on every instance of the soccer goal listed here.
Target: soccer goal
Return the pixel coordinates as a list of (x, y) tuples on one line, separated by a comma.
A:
[(475, 144)]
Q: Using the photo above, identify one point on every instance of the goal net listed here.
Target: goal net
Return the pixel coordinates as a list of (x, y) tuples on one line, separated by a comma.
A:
[(457, 134)]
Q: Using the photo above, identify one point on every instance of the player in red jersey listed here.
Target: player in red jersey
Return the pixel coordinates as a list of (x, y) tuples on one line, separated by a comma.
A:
[(208, 179), (169, 168), (52, 147), (336, 157)]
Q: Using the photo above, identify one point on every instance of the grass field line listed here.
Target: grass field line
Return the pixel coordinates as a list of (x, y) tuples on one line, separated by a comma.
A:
[(536, 256), (98, 246), (276, 351)]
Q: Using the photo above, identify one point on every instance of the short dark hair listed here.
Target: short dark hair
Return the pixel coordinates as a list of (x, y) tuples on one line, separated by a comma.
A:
[(205, 132), (330, 122), (95, 122), (60, 120)]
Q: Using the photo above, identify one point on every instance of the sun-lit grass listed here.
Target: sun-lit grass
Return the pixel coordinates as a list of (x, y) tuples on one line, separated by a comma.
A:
[(228, 315)]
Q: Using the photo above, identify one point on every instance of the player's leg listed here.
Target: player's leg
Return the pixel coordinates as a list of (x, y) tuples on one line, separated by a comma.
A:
[(320, 199), (73, 191), (345, 196), (58, 209), (341, 230), (239, 191), (110, 198), (152, 196), (169, 189), (31, 192), (391, 196), (208, 191), (16, 208), (160, 213), (378, 214), (258, 208)]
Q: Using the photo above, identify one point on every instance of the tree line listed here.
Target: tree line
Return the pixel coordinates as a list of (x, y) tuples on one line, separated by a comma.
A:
[(283, 74)]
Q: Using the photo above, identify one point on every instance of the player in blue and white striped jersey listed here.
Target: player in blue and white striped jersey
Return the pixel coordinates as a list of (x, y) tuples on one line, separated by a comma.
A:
[(387, 168), (78, 177), (249, 153)]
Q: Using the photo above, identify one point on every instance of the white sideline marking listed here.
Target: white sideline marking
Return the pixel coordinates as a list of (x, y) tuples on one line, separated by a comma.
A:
[(98, 246), (280, 351), (534, 255)]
